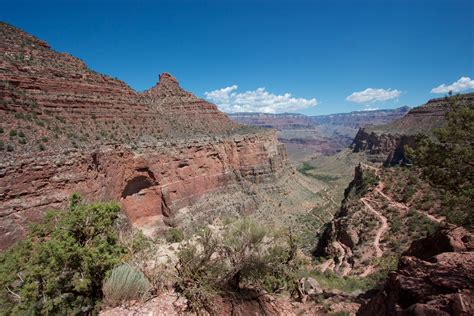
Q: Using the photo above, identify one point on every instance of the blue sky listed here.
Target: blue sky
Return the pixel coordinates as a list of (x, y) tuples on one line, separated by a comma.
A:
[(324, 52)]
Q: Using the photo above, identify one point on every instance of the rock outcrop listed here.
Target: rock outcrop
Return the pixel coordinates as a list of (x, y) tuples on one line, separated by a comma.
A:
[(434, 277), (66, 128), (386, 143)]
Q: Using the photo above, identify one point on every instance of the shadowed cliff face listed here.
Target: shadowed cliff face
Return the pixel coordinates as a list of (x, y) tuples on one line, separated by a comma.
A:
[(79, 131)]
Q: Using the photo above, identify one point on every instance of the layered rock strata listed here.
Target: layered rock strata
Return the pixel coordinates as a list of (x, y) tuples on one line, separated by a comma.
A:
[(66, 128), (324, 134)]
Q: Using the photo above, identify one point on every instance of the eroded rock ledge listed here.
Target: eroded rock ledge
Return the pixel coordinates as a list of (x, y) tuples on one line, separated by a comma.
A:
[(434, 277), (151, 183)]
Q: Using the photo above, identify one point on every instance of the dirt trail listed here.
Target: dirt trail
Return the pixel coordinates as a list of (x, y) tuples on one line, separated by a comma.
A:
[(382, 229), (379, 189)]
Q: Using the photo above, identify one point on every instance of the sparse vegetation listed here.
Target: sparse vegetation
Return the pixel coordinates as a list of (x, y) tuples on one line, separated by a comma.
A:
[(369, 180), (174, 235), (246, 254), (350, 284), (447, 163), (125, 283), (305, 167)]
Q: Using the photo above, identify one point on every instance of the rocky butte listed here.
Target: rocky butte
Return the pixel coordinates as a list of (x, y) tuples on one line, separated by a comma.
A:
[(161, 153)]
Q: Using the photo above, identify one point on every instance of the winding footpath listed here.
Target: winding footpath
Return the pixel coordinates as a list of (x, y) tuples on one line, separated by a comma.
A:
[(382, 229)]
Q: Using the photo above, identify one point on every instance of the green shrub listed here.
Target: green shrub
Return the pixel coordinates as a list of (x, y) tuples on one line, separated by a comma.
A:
[(246, 255), (59, 267), (1, 130), (348, 284), (13, 133), (44, 139), (21, 134), (447, 162), (41, 147), (10, 148), (174, 235), (125, 283), (369, 180), (305, 167), (408, 193), (2, 145)]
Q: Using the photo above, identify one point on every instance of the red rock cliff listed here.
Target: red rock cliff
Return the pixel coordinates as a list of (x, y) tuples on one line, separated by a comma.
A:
[(68, 129)]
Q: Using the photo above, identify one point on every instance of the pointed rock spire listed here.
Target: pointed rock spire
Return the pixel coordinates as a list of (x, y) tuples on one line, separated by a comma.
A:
[(167, 85)]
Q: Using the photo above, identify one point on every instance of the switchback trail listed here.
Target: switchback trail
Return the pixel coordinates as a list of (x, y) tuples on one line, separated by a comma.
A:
[(382, 229)]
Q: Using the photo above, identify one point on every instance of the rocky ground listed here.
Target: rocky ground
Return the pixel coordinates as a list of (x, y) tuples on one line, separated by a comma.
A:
[(434, 277)]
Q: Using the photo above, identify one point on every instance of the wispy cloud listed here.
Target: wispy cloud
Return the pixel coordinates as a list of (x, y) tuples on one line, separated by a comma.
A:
[(371, 95), (259, 100), (369, 108), (464, 83)]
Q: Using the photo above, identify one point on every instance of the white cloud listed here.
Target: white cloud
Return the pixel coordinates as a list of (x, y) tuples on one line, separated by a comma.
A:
[(464, 83), (369, 108), (373, 95), (260, 100)]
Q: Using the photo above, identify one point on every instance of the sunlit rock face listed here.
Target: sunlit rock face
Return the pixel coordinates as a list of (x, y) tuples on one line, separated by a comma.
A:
[(154, 152)]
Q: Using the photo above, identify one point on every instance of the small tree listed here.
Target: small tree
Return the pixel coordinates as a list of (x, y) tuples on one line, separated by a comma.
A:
[(59, 267), (448, 162)]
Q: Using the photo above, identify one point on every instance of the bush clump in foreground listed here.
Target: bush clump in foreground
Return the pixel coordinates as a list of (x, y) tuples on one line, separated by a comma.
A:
[(125, 283), (246, 255), (59, 267)]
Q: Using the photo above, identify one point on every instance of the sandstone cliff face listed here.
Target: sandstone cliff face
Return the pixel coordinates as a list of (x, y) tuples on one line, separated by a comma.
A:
[(385, 143), (151, 183), (434, 277), (49, 94), (68, 129), (387, 148)]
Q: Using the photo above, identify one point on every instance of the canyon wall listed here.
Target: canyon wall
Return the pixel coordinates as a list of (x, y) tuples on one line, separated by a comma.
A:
[(66, 128), (386, 143), (151, 183), (306, 136)]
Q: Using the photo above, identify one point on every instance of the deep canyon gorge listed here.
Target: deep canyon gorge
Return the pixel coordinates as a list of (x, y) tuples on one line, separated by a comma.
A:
[(369, 232)]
